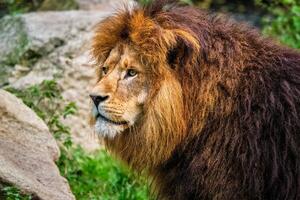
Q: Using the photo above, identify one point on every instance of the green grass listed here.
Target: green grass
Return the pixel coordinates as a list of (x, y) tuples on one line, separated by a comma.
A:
[(12, 193), (92, 176), (98, 176), (14, 7)]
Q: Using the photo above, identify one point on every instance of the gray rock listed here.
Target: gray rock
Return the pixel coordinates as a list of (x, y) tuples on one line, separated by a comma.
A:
[(28, 151), (5, 73), (13, 40), (33, 35), (57, 45), (51, 39), (101, 4)]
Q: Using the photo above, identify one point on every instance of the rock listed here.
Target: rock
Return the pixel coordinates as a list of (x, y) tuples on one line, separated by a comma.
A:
[(34, 35), (28, 151), (13, 40), (62, 41), (5, 72), (100, 4)]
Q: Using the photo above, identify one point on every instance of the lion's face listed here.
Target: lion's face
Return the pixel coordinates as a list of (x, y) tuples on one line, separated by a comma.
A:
[(120, 93)]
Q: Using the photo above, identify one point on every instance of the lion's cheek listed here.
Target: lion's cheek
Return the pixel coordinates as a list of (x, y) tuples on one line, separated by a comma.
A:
[(142, 97), (133, 108), (131, 116)]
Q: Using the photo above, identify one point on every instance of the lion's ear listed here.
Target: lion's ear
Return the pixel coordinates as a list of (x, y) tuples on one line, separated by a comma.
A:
[(185, 48), (176, 56)]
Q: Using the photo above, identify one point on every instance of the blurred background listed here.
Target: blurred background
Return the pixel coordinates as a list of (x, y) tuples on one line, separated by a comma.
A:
[(44, 61), (279, 18)]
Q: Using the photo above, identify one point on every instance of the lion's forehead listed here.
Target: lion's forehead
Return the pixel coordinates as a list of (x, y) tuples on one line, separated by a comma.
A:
[(123, 56)]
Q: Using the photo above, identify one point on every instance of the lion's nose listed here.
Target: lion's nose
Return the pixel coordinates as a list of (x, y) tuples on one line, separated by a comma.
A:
[(98, 99)]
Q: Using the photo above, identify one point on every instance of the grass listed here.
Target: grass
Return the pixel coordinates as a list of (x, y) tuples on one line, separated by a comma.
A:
[(12, 193), (92, 176), (98, 176)]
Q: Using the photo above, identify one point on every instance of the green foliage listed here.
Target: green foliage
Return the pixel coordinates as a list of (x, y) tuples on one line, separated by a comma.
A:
[(23, 6), (20, 6), (99, 177), (12, 193), (92, 176), (286, 22)]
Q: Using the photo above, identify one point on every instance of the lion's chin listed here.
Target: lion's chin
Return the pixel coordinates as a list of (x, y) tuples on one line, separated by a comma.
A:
[(107, 129)]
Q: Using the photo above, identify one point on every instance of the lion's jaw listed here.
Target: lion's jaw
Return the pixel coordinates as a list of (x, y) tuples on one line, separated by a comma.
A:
[(106, 127), (125, 93)]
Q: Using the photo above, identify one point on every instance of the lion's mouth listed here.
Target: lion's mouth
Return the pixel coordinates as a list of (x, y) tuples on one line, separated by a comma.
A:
[(111, 121)]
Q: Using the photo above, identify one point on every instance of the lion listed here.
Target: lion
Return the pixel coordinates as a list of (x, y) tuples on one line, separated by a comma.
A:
[(206, 106)]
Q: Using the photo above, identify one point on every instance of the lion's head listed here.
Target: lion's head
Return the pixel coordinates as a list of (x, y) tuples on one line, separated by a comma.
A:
[(138, 101)]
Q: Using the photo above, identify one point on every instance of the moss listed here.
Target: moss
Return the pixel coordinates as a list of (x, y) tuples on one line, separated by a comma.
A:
[(14, 43), (16, 55), (58, 5), (14, 38)]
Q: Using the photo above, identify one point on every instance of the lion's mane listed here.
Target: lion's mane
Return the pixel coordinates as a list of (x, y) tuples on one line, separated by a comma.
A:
[(230, 128)]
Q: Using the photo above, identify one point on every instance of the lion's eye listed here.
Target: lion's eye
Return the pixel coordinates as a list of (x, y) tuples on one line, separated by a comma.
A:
[(131, 73), (104, 70)]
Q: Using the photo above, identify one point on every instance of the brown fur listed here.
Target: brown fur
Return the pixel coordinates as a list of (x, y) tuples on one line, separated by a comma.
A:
[(223, 117)]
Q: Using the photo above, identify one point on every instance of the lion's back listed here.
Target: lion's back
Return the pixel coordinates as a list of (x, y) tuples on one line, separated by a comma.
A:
[(253, 151)]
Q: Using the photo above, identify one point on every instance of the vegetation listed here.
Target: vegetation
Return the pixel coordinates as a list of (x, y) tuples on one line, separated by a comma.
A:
[(94, 176), (100, 177), (12, 193), (23, 6), (285, 23)]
